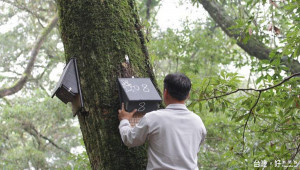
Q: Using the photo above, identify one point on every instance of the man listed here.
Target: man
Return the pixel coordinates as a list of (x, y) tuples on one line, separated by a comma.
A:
[(174, 133)]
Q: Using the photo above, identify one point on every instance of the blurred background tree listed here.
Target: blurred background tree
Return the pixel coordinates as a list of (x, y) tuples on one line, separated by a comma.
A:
[(243, 127)]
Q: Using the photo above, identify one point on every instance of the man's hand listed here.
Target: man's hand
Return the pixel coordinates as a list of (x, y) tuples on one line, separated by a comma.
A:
[(125, 115)]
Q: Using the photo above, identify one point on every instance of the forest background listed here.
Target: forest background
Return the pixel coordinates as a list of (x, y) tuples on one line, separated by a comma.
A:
[(244, 69)]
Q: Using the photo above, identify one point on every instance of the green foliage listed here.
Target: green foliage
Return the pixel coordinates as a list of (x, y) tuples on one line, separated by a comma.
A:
[(29, 127), (292, 47), (240, 131), (272, 130), (31, 123), (80, 161), (192, 50), (24, 23)]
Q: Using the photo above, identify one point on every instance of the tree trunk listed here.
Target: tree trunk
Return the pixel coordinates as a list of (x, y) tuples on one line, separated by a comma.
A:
[(99, 33)]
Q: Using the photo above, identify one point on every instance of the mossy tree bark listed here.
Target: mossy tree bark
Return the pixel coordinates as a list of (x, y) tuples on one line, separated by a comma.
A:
[(99, 33)]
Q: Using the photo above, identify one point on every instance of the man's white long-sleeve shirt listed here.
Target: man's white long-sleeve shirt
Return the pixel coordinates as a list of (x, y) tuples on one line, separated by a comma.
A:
[(174, 135)]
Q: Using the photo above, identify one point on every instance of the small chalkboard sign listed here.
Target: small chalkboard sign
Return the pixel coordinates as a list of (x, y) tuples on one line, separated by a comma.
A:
[(138, 93)]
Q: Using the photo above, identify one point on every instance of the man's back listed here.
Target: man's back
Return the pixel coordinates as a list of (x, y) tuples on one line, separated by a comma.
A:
[(174, 135)]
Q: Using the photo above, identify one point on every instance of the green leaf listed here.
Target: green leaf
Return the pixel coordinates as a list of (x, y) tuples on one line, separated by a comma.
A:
[(246, 38), (223, 107), (200, 107), (275, 62), (288, 102), (241, 117), (259, 79), (233, 116)]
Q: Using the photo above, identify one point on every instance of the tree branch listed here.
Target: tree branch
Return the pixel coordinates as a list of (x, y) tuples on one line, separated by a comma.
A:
[(259, 95), (253, 47), (29, 128), (251, 89), (34, 52), (148, 6), (148, 9), (297, 151), (51, 141), (24, 8), (7, 101), (250, 112)]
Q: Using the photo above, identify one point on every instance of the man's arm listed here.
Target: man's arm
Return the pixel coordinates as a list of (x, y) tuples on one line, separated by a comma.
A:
[(132, 136)]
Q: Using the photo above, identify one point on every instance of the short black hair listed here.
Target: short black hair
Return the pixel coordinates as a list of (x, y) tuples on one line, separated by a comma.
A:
[(178, 85)]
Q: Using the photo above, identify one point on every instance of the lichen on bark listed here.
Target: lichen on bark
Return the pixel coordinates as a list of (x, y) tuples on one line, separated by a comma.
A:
[(99, 33)]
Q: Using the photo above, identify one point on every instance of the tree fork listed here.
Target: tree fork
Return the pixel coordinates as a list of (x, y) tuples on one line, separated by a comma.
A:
[(100, 34)]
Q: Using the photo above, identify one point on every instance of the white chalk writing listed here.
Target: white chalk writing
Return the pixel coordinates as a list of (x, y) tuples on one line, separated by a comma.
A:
[(128, 87), (145, 88), (142, 106)]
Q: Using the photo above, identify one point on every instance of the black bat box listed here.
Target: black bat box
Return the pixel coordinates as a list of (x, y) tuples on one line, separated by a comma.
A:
[(138, 93), (67, 86)]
